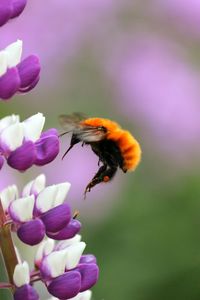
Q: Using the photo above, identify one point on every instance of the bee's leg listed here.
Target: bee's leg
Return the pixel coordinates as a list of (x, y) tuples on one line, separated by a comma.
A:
[(103, 175), (95, 179), (101, 170), (109, 173)]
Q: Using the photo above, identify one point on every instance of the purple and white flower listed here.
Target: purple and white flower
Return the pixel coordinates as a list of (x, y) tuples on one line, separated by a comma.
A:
[(21, 278), (23, 144), (66, 273), (40, 210), (65, 270), (10, 9), (60, 265), (17, 76)]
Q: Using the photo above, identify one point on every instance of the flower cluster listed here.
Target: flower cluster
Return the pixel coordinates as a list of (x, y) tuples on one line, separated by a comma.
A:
[(10, 9), (40, 210), (66, 273), (60, 265), (39, 215), (23, 144), (16, 75), (65, 270)]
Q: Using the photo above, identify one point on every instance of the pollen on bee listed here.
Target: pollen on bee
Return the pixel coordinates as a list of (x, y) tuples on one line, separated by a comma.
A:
[(106, 178)]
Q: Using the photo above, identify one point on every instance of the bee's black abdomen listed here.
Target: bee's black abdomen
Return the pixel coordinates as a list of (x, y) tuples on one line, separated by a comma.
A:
[(108, 152)]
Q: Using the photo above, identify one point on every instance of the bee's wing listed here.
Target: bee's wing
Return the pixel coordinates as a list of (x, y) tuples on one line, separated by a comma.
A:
[(90, 134), (72, 118), (71, 122)]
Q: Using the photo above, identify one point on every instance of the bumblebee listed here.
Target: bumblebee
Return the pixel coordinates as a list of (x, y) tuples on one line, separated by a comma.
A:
[(114, 146)]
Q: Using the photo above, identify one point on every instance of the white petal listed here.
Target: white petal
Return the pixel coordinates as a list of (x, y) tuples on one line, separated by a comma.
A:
[(21, 274), (45, 248), (7, 121), (39, 183), (46, 198), (33, 127), (83, 296), (64, 244), (52, 196), (27, 189), (62, 191), (13, 53), (74, 253), (55, 263), (8, 195), (80, 296), (22, 208), (3, 63), (35, 186), (12, 136)]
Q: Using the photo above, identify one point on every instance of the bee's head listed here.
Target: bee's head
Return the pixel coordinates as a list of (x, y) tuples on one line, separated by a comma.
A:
[(102, 129)]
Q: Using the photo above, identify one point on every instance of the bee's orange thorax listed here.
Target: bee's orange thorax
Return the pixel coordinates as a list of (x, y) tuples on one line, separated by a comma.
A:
[(127, 144)]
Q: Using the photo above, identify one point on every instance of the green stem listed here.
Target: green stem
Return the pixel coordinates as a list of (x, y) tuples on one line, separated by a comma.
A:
[(7, 246)]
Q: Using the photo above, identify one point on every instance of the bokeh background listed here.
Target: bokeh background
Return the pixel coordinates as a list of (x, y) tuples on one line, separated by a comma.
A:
[(136, 62)]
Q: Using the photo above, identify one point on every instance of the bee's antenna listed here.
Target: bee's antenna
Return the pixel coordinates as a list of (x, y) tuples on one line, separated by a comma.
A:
[(60, 135)]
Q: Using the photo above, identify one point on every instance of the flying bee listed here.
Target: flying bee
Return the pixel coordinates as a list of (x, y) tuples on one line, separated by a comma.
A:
[(114, 146)]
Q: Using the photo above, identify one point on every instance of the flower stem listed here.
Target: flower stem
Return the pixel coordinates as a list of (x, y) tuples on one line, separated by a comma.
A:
[(7, 246), (5, 285), (35, 279)]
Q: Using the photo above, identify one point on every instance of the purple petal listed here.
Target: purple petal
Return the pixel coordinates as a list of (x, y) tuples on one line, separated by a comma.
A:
[(26, 292), (5, 11), (18, 7), (65, 286), (23, 157), (67, 232), (89, 275), (88, 259), (32, 232), (29, 70), (49, 132), (56, 218), (1, 162), (9, 83), (47, 149), (30, 87)]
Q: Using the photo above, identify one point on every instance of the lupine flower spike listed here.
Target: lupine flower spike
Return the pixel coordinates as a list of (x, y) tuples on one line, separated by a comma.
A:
[(17, 76), (10, 9), (23, 144), (36, 213), (40, 210), (63, 266)]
